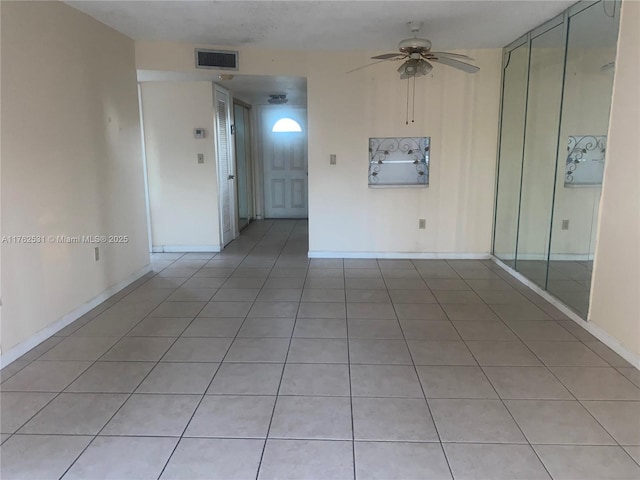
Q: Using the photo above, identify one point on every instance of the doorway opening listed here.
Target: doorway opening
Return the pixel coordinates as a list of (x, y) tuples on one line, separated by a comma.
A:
[(284, 161), (244, 162)]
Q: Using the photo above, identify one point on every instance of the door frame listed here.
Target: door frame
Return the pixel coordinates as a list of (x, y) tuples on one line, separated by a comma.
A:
[(217, 91), (263, 130), (249, 153)]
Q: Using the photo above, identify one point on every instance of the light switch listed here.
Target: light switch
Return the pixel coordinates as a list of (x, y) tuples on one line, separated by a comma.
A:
[(332, 159), (201, 158)]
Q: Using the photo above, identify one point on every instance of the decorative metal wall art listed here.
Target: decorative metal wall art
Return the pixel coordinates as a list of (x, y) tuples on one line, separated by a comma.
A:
[(399, 161), (585, 160)]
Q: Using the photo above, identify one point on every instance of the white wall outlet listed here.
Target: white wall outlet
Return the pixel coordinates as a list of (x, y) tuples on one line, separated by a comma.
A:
[(96, 253), (422, 224), (565, 224), (201, 158), (332, 159)]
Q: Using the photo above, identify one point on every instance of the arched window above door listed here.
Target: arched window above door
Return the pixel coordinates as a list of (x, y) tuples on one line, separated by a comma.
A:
[(286, 125)]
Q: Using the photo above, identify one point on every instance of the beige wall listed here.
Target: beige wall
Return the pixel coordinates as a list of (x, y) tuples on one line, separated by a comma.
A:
[(458, 111), (71, 163), (615, 302), (183, 195)]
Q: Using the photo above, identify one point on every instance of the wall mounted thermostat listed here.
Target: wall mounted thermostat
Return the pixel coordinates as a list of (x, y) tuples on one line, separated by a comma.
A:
[(198, 133)]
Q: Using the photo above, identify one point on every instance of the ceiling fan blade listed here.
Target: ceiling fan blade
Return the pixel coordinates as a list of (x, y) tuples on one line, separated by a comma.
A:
[(387, 56), (365, 66), (465, 67), (449, 54)]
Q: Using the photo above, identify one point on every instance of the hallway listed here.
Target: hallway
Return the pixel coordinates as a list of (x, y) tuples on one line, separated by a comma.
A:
[(260, 363)]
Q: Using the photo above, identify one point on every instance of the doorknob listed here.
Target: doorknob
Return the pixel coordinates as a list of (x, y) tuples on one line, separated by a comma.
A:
[(231, 177)]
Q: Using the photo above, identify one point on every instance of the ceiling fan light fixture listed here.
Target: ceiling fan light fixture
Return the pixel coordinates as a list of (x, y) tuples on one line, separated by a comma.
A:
[(414, 68), (409, 68), (425, 67)]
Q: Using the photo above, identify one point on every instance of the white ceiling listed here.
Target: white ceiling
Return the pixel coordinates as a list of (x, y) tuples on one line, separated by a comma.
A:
[(315, 25), (324, 25)]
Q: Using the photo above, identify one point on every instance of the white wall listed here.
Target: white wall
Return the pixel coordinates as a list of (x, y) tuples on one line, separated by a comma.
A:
[(183, 195), (458, 111), (615, 303), (71, 163)]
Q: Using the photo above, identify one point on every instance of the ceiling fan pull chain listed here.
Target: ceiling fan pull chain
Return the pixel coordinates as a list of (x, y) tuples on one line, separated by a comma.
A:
[(413, 113), (407, 117)]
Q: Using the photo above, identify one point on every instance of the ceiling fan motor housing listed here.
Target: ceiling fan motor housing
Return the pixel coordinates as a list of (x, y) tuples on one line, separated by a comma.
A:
[(415, 44)]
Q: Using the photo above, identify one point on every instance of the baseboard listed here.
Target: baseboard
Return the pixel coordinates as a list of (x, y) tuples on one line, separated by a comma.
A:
[(558, 257), (401, 255), (35, 340), (186, 249), (590, 327)]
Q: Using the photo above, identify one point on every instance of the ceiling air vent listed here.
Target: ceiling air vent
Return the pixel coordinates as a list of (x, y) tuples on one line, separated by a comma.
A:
[(278, 98), (217, 59)]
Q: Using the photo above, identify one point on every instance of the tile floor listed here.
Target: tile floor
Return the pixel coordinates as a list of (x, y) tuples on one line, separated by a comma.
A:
[(258, 363)]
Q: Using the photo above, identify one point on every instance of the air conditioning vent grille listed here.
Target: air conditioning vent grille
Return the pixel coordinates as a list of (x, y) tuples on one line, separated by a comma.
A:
[(217, 59)]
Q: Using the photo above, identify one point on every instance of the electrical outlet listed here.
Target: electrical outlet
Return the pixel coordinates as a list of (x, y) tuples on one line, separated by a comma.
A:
[(422, 224), (565, 224), (201, 158), (96, 253), (332, 159)]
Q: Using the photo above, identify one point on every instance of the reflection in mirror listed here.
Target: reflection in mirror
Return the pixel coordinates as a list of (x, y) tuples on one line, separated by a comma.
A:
[(541, 142), (555, 114), (591, 51), (510, 154)]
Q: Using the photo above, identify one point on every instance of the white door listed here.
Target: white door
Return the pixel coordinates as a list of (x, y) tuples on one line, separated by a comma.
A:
[(226, 179), (284, 157)]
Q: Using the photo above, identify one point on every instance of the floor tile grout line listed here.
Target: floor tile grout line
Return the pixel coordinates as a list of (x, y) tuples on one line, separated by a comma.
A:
[(505, 323), (284, 366), (353, 429), (169, 394), (204, 394), (504, 405), (543, 364), (148, 373), (96, 435), (415, 370), (56, 395), (580, 402), (130, 395), (418, 442)]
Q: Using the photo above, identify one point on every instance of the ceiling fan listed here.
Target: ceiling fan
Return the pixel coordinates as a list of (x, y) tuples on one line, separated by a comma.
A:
[(418, 57)]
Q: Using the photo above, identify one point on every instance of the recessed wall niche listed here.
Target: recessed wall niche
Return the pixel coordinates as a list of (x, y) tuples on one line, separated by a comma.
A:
[(399, 161)]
